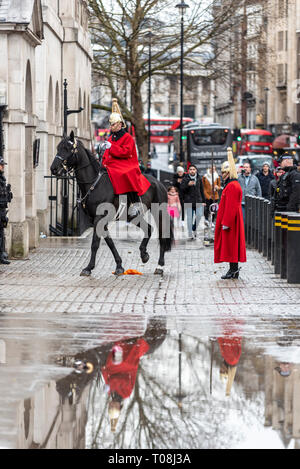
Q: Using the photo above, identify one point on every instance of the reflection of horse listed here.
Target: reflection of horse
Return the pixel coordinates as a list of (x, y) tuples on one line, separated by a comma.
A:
[(119, 377), (97, 193)]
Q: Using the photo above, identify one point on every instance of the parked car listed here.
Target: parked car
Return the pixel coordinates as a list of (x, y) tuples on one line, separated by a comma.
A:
[(256, 162)]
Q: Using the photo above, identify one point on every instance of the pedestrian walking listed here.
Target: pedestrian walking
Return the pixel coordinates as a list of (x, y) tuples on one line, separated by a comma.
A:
[(174, 206), (177, 182), (230, 245), (265, 177), (194, 200), (250, 185), (287, 193), (211, 186), (5, 198)]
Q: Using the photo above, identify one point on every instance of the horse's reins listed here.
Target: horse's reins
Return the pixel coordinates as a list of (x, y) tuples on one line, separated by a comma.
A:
[(94, 184)]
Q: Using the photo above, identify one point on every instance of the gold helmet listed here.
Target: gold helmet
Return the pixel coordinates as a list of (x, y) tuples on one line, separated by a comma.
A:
[(229, 165), (116, 115)]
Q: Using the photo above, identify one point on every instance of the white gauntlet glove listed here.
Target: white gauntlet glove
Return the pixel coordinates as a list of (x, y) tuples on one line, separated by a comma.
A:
[(105, 146), (225, 227)]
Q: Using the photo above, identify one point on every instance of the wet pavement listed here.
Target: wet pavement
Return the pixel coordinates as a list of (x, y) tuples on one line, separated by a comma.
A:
[(175, 332)]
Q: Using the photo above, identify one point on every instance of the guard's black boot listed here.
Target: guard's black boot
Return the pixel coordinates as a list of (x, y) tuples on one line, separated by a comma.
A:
[(4, 261), (233, 272)]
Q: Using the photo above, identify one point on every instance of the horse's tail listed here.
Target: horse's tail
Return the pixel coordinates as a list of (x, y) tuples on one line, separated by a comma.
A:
[(165, 224)]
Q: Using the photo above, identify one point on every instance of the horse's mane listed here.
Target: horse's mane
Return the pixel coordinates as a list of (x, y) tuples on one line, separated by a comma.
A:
[(93, 160)]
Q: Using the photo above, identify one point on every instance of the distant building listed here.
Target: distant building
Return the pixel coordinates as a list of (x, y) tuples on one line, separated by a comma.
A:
[(41, 44)]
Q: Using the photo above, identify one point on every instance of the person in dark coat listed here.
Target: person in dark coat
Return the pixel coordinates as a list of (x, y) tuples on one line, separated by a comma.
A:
[(5, 199), (265, 177), (194, 200)]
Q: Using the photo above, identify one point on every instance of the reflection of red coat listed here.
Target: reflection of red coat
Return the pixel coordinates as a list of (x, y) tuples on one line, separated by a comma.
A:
[(231, 349), (122, 164), (230, 245), (121, 378)]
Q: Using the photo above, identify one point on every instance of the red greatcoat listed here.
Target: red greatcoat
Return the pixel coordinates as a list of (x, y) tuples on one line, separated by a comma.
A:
[(122, 164), (231, 349), (230, 245), (121, 378)]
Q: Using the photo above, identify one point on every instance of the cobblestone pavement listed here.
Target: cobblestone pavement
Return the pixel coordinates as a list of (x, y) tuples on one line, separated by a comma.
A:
[(47, 309)]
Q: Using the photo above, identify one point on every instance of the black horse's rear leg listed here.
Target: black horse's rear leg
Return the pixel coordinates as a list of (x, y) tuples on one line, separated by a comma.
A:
[(161, 262), (143, 247)]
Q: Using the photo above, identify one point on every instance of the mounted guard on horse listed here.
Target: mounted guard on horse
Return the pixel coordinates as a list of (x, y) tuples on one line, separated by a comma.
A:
[(103, 189), (121, 162)]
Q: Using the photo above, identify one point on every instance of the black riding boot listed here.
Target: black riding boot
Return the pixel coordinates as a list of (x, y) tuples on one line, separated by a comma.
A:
[(233, 272)]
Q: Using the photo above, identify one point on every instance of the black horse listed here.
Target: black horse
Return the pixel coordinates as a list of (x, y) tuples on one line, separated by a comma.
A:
[(97, 195)]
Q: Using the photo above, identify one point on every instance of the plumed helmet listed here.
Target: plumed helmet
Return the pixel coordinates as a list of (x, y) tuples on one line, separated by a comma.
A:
[(116, 115), (229, 165), (114, 414)]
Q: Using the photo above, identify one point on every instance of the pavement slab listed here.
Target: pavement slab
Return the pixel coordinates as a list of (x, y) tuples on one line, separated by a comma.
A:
[(48, 311)]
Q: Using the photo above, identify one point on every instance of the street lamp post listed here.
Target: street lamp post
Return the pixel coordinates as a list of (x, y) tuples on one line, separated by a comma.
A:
[(182, 7), (266, 107), (3, 107)]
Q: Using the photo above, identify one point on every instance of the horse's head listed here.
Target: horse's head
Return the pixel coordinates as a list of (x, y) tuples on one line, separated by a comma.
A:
[(67, 155)]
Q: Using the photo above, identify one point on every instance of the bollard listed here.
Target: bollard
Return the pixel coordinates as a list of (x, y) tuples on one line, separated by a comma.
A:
[(293, 251), (269, 231), (283, 244), (265, 228), (256, 222), (277, 239), (273, 241), (248, 226), (260, 224), (247, 202)]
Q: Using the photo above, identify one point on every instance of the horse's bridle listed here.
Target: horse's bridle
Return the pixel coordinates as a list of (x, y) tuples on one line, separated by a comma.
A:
[(74, 151)]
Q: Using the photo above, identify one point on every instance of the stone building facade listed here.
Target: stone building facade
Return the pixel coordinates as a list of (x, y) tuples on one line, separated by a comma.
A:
[(284, 87), (41, 44), (261, 83)]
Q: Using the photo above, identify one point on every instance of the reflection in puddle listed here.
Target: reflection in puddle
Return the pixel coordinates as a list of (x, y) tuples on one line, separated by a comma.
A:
[(173, 390)]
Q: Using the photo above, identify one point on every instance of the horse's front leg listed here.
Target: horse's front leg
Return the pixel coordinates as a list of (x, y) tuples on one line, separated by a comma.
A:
[(94, 248), (119, 268)]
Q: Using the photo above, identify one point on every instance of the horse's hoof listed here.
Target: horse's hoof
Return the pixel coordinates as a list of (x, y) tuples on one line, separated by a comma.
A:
[(145, 258), (119, 271), (159, 271), (85, 273)]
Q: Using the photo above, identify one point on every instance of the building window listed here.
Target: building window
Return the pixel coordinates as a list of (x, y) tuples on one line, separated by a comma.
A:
[(173, 109), (189, 111), (205, 110), (280, 40)]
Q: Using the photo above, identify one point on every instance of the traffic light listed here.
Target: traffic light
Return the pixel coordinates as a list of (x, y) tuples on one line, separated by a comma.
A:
[(237, 135)]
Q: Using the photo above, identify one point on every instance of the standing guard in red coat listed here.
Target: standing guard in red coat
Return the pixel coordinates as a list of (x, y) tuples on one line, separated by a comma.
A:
[(121, 161), (230, 245)]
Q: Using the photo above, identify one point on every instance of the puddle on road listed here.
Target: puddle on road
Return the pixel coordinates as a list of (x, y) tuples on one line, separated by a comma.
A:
[(170, 389)]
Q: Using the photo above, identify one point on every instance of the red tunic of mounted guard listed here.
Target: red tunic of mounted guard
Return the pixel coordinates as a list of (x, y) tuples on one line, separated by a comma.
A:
[(230, 245), (121, 162), (121, 378)]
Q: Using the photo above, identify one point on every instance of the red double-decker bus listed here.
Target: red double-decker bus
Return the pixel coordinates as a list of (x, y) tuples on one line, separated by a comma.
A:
[(162, 128)]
